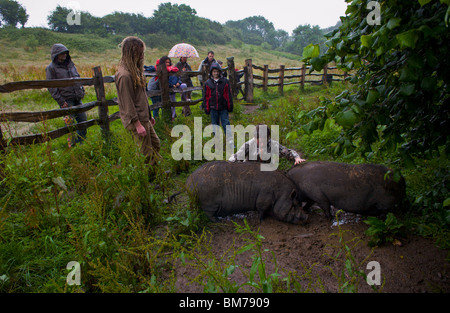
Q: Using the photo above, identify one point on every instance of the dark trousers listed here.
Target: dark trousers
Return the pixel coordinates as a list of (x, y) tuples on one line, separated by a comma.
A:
[(79, 117)]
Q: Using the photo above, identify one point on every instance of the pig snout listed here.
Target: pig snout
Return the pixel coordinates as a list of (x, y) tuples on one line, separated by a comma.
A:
[(297, 216)]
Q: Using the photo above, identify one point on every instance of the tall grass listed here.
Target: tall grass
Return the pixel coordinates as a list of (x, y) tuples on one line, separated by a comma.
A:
[(94, 204)]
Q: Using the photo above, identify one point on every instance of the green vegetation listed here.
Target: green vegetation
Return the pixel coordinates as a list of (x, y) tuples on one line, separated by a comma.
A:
[(95, 205)]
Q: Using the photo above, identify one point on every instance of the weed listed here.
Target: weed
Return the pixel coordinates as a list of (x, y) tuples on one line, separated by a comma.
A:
[(383, 231), (350, 275)]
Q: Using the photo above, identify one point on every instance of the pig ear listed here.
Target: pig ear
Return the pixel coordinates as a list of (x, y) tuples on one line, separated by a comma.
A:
[(293, 194)]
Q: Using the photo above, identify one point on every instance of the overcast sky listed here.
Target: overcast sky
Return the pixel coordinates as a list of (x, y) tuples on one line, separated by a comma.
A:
[(284, 14)]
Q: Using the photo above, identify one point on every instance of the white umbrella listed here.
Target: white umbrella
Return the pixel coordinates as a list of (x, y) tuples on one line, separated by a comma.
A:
[(183, 50)]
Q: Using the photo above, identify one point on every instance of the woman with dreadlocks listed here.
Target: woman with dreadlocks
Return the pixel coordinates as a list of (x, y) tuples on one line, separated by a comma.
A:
[(133, 102)]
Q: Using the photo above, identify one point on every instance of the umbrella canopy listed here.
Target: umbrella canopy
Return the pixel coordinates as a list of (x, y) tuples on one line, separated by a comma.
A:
[(183, 50)]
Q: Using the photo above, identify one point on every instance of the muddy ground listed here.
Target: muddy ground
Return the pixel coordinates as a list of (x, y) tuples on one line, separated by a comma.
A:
[(413, 265)]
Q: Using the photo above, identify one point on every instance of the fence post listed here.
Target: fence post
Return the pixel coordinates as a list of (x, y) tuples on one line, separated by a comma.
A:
[(265, 77), (163, 77), (205, 74), (325, 75), (101, 98), (248, 81), (281, 80), (232, 77), (303, 76)]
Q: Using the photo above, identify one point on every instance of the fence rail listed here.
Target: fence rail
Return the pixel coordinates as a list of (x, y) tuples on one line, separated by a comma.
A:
[(98, 81)]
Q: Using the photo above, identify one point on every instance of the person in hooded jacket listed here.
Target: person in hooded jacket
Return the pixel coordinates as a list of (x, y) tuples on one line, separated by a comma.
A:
[(62, 67), (218, 101), (209, 61)]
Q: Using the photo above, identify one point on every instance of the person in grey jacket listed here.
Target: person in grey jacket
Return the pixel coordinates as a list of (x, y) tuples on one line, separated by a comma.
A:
[(62, 67)]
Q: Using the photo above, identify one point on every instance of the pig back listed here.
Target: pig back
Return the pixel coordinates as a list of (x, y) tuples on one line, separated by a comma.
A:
[(354, 188), (234, 187)]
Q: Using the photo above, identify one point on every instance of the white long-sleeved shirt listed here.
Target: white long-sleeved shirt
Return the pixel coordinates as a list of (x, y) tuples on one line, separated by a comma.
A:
[(250, 151)]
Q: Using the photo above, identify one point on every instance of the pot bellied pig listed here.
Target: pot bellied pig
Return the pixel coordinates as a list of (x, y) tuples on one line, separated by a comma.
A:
[(224, 188), (365, 189)]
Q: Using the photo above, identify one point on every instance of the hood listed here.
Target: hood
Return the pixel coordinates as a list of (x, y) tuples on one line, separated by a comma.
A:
[(57, 49), (215, 65)]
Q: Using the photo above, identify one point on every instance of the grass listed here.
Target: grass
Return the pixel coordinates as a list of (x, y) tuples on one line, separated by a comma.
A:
[(94, 204)]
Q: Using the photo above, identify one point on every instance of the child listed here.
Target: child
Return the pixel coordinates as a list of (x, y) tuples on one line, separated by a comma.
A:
[(253, 149), (217, 99)]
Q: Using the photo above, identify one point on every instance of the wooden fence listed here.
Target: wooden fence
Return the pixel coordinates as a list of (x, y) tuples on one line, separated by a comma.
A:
[(301, 79), (34, 117), (104, 119)]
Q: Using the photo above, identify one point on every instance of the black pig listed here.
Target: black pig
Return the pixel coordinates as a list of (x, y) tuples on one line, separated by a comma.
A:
[(224, 188), (366, 189)]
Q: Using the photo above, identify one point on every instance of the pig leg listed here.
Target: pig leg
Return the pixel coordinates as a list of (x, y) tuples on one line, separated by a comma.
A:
[(210, 212), (264, 204), (307, 207), (325, 205)]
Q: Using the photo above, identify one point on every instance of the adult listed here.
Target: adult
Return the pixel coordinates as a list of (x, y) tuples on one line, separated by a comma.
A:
[(209, 60), (183, 66), (133, 102), (174, 81), (62, 67)]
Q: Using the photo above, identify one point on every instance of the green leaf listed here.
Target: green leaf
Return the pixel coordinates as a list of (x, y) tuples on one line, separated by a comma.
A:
[(372, 97), (366, 41), (423, 2), (446, 202), (408, 74), (318, 63), (394, 22), (245, 248), (429, 83), (407, 90), (408, 39), (347, 118), (292, 135), (311, 51)]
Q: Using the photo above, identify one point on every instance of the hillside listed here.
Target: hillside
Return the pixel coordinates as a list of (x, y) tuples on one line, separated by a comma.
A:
[(28, 50)]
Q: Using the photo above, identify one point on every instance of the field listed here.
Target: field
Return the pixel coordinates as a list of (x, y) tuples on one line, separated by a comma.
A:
[(94, 204)]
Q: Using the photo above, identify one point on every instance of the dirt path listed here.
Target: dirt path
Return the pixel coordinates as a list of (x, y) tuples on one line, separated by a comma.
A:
[(414, 267)]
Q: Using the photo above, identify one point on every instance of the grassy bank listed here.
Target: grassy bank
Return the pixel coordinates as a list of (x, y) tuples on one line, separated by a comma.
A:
[(94, 204)]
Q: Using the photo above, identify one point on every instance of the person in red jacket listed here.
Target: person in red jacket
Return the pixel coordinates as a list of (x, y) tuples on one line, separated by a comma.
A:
[(218, 101)]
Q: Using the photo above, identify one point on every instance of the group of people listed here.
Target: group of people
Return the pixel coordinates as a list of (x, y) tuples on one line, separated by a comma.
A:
[(134, 105)]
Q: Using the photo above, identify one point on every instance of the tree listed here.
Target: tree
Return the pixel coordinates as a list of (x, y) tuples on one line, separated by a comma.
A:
[(401, 94), (89, 24), (57, 21), (12, 13), (255, 30), (305, 35), (174, 19)]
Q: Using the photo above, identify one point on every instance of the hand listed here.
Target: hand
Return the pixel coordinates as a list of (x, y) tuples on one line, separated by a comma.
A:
[(140, 129), (153, 121), (298, 161), (65, 105)]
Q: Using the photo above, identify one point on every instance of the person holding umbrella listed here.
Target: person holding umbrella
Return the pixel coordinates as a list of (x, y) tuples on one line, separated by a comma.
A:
[(184, 51)]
